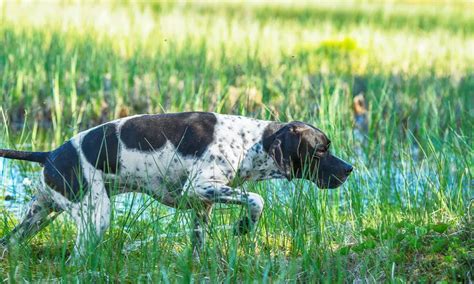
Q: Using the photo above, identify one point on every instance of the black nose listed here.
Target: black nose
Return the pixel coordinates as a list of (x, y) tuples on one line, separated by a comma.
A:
[(349, 169)]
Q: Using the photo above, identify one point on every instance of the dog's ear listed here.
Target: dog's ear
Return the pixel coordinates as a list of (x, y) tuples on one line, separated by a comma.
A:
[(285, 147)]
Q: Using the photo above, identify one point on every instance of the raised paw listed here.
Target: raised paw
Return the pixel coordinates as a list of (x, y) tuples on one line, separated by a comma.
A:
[(244, 226)]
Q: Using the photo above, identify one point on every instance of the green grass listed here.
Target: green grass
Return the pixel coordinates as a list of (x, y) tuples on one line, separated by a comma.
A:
[(404, 215)]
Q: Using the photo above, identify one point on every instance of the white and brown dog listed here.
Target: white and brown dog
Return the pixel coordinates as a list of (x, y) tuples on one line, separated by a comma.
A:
[(184, 160)]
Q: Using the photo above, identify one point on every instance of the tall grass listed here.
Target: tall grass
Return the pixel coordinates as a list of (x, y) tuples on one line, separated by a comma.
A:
[(403, 215)]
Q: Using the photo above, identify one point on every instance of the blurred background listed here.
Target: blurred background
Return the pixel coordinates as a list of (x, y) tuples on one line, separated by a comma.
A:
[(88, 62)]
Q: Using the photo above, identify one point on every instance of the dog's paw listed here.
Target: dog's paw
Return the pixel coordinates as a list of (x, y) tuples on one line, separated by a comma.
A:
[(243, 227)]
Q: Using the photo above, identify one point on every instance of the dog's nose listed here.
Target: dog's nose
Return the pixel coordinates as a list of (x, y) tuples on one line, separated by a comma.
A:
[(349, 169)]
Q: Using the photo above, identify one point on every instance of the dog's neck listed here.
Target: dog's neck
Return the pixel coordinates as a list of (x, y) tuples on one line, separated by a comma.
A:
[(258, 164)]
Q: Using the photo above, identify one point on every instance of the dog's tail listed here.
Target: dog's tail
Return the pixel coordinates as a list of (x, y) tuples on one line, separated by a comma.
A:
[(39, 157)]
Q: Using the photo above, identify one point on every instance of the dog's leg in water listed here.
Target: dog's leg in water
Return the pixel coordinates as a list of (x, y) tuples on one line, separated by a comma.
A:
[(201, 221), (92, 217), (37, 217)]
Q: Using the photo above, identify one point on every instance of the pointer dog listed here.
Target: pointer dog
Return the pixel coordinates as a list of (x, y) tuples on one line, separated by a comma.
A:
[(184, 160)]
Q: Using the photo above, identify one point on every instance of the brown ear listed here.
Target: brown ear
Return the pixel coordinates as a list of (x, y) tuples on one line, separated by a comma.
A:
[(282, 161), (286, 146)]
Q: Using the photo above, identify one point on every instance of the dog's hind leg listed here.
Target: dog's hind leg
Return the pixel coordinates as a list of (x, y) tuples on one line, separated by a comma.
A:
[(37, 217), (92, 217)]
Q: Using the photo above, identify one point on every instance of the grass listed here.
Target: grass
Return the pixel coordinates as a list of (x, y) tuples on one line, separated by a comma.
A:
[(404, 215)]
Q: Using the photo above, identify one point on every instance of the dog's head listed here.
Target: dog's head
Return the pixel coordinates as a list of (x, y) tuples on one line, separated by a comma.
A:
[(302, 151)]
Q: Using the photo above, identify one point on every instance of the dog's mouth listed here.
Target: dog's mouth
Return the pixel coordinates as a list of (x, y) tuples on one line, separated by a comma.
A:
[(333, 182)]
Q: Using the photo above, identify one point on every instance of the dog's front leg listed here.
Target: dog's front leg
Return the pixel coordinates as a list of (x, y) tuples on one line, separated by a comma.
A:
[(217, 193), (201, 220)]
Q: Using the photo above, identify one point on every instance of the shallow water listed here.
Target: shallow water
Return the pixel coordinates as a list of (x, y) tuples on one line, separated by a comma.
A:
[(408, 181)]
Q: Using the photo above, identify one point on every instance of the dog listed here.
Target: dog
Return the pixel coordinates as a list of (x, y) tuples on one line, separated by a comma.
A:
[(188, 160)]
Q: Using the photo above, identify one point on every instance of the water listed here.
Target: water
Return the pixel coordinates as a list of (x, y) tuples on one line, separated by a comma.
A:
[(14, 188), (408, 181)]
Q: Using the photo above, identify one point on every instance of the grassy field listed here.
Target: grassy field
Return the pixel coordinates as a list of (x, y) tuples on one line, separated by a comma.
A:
[(404, 215)]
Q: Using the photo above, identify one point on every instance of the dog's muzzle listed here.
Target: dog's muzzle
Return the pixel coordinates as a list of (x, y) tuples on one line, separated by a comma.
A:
[(332, 172)]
